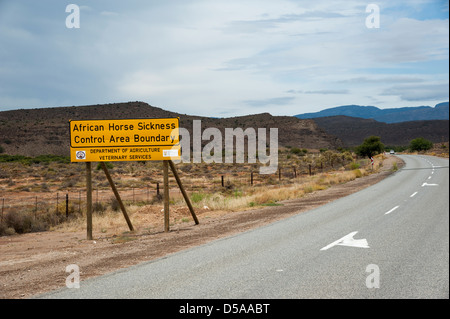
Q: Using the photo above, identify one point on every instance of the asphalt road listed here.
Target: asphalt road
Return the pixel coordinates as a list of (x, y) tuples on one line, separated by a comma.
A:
[(390, 240)]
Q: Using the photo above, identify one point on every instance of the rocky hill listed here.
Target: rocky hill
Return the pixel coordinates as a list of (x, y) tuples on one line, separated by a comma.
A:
[(33, 132)]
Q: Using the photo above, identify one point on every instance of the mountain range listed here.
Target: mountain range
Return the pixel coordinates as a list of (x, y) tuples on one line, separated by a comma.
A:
[(391, 115), (33, 132)]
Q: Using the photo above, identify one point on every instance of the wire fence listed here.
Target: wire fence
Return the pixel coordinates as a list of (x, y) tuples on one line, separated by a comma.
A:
[(72, 201)]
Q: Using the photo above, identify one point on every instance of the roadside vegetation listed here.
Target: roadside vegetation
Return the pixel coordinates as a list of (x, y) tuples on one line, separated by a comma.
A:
[(27, 183), (29, 187)]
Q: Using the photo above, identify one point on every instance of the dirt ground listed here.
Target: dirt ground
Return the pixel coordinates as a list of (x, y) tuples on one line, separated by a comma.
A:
[(35, 263)]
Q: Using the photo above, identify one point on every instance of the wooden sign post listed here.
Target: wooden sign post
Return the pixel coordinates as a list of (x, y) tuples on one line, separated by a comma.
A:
[(183, 191), (166, 195), (116, 193), (89, 200), (166, 165)]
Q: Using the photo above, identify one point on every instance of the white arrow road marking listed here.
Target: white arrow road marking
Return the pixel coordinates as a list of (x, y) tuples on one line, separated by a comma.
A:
[(426, 184), (348, 240)]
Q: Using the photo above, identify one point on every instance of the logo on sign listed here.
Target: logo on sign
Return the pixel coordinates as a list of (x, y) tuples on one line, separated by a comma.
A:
[(81, 155)]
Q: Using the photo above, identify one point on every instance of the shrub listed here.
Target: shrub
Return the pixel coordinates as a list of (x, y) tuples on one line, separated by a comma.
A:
[(197, 197), (6, 231), (357, 173), (308, 189), (21, 223), (107, 164), (51, 218), (394, 167), (296, 150), (114, 203), (354, 166), (299, 152), (98, 207), (420, 144), (370, 147)]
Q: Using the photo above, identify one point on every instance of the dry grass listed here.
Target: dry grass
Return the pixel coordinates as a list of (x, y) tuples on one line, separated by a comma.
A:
[(105, 221), (149, 217), (202, 181)]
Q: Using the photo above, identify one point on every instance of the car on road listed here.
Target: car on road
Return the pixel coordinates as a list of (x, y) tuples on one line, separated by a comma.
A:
[(392, 152)]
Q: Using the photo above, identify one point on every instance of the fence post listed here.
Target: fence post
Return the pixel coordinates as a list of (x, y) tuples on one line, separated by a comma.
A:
[(67, 205), (3, 206)]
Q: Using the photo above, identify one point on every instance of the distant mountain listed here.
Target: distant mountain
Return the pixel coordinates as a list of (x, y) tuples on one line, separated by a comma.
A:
[(352, 131), (392, 115)]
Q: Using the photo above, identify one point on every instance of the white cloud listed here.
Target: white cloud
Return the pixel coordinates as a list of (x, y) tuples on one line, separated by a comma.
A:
[(414, 93), (205, 57), (284, 100), (109, 13)]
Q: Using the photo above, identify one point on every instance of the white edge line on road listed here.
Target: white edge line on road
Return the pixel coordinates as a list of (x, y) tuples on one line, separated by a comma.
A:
[(414, 194), (392, 210)]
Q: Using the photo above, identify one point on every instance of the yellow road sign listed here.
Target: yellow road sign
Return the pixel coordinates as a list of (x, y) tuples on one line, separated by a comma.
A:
[(124, 140)]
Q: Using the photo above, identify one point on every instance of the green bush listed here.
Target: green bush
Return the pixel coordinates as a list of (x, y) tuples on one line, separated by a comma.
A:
[(296, 150), (354, 165), (395, 167), (420, 144), (370, 147), (197, 197), (108, 166)]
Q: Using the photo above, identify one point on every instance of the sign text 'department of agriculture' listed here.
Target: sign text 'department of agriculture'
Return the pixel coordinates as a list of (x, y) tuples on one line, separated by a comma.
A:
[(124, 140)]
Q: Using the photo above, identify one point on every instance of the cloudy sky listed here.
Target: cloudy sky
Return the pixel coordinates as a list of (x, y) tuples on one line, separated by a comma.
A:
[(224, 58)]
